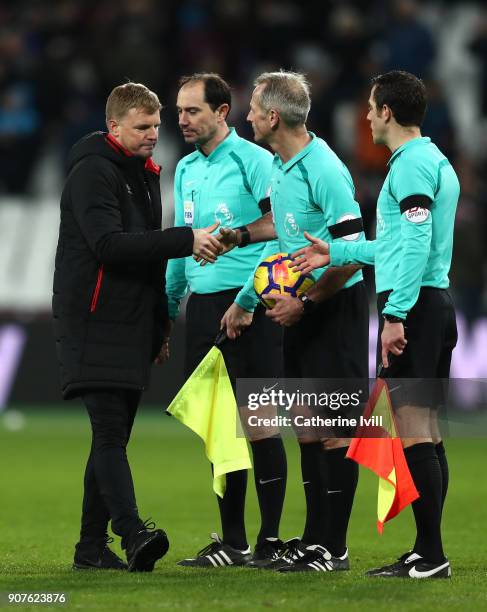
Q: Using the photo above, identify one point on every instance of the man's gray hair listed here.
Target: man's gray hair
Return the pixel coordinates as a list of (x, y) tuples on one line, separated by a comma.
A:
[(286, 92)]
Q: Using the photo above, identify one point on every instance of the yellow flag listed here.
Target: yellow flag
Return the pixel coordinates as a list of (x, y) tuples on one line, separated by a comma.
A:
[(206, 404)]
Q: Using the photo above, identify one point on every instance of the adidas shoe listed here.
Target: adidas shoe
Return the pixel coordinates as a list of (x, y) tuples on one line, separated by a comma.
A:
[(291, 551), (218, 554), (265, 552), (412, 565), (145, 546), (95, 554), (318, 559)]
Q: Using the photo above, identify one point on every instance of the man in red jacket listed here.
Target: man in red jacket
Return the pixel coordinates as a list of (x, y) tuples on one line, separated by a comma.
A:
[(110, 311)]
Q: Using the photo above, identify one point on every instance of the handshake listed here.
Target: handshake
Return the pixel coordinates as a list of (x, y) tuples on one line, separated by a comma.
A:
[(207, 247)]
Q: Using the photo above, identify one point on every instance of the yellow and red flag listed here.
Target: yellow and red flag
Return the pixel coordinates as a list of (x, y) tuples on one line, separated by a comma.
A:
[(379, 448)]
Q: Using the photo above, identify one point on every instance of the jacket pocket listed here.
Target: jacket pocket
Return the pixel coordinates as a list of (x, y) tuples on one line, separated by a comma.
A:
[(96, 292)]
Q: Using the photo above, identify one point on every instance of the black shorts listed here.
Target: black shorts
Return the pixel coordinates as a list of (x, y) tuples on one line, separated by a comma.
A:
[(330, 346), (431, 332), (257, 353), (333, 340)]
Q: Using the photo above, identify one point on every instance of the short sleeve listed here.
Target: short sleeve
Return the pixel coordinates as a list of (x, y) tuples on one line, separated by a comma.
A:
[(334, 194), (259, 174), (415, 178)]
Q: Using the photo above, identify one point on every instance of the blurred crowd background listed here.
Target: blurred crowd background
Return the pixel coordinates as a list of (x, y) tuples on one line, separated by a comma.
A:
[(59, 60)]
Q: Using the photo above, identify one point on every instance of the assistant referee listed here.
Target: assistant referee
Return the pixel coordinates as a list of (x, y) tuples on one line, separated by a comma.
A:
[(417, 329), (226, 179)]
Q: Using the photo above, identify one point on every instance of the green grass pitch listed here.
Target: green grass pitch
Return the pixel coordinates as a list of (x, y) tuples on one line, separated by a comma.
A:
[(42, 467)]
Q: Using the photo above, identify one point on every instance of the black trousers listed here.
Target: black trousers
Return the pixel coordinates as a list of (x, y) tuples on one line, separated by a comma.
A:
[(108, 486)]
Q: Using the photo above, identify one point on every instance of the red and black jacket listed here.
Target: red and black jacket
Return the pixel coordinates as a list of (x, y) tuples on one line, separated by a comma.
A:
[(109, 304)]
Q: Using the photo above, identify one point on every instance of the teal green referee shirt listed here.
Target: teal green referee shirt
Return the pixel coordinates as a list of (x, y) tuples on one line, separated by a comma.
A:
[(314, 192), (225, 186), (415, 220)]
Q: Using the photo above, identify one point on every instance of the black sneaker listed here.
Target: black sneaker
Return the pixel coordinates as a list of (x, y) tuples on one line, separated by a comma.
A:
[(318, 559), (412, 565), (407, 557), (145, 546), (218, 554), (95, 554), (265, 552), (291, 551)]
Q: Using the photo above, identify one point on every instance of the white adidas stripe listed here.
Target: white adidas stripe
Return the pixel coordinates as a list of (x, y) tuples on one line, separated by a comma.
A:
[(213, 562), (226, 557), (316, 565), (217, 558)]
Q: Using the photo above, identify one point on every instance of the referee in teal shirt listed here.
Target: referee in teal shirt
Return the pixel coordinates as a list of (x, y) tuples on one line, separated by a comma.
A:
[(226, 179), (417, 329), (325, 330)]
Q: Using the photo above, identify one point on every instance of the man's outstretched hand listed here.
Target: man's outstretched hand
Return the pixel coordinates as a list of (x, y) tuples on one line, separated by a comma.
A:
[(206, 247), (227, 240), (316, 255)]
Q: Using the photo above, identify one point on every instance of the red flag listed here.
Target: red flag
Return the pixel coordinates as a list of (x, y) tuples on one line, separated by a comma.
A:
[(378, 447)]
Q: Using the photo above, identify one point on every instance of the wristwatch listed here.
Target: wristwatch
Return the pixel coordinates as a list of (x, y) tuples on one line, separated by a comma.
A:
[(244, 236), (308, 304), (393, 319)]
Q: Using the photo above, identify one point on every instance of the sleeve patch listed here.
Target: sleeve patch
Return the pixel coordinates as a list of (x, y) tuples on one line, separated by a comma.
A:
[(417, 214), (415, 202)]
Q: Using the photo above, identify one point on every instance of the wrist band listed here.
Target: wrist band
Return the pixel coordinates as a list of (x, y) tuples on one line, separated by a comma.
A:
[(244, 236), (393, 319)]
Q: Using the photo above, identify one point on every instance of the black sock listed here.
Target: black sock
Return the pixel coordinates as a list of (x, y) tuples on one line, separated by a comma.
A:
[(426, 472), (342, 483), (314, 487), (445, 475), (232, 510), (440, 452), (270, 472)]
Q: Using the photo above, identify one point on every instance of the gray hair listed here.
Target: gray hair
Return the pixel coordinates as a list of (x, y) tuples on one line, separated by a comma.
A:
[(286, 92)]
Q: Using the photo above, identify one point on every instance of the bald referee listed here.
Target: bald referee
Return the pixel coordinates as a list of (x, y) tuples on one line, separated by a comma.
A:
[(417, 329)]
